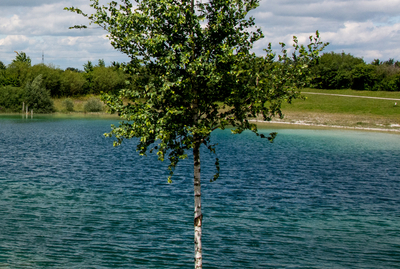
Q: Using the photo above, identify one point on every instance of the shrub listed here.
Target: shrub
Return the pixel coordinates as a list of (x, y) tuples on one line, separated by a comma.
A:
[(93, 105), (68, 105), (11, 98)]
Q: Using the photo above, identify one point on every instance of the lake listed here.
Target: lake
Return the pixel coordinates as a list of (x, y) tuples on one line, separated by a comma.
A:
[(312, 199)]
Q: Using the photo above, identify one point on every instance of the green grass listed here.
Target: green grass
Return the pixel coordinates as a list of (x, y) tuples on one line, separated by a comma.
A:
[(358, 93), (316, 109), (313, 103), (79, 103), (346, 105)]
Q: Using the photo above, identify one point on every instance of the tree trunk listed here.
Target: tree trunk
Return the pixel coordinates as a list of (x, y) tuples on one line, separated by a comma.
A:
[(198, 217)]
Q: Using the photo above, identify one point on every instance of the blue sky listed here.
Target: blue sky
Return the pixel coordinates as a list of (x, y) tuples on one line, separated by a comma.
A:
[(368, 29)]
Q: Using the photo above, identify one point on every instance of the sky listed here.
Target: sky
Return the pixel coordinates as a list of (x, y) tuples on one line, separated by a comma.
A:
[(369, 29)]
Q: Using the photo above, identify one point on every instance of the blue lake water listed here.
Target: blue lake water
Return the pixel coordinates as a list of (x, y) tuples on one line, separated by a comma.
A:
[(312, 199)]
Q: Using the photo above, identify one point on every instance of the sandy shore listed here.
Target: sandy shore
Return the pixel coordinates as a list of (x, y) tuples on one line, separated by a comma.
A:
[(343, 121)]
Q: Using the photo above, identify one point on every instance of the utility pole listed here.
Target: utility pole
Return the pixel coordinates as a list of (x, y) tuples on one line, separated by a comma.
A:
[(42, 57)]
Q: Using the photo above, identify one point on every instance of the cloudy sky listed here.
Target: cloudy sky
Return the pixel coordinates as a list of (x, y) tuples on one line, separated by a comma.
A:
[(368, 29)]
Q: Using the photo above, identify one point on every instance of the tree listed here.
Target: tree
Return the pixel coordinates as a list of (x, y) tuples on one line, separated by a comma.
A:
[(334, 70), (72, 83), (364, 77), (16, 74), (51, 77), (11, 98), (193, 72), (389, 62), (376, 62), (88, 67), (37, 97), (73, 69), (101, 63), (88, 75), (22, 58), (107, 80), (3, 80)]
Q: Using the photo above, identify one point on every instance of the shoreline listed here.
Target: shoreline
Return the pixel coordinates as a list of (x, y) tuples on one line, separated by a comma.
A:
[(314, 125), (296, 120), (57, 114), (336, 121)]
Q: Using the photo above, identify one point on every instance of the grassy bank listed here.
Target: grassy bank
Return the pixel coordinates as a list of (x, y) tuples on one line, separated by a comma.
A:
[(323, 110), (79, 109), (347, 105), (345, 111), (78, 103)]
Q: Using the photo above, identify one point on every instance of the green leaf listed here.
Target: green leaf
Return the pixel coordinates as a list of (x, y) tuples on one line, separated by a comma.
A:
[(192, 71)]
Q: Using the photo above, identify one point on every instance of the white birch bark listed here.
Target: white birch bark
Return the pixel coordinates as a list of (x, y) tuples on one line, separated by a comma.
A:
[(198, 217)]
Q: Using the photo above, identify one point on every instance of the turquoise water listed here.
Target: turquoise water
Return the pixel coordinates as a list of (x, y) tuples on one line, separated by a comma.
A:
[(312, 199)]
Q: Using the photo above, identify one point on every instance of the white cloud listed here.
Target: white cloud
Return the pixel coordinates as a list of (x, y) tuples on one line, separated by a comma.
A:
[(364, 28), (11, 40), (364, 33), (43, 26), (368, 29), (42, 20), (24, 3)]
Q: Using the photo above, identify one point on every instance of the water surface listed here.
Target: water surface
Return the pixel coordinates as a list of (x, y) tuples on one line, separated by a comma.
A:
[(312, 199)]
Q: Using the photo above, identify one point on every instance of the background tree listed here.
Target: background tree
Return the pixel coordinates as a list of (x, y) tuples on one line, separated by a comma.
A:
[(3, 78), (386, 74), (11, 98), (22, 58), (107, 80), (193, 72), (363, 77), (88, 67), (334, 70), (88, 75), (37, 97), (51, 78), (16, 74), (73, 69), (376, 62), (72, 83), (101, 63)]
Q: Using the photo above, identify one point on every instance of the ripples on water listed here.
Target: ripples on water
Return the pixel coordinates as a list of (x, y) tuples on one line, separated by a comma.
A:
[(312, 199)]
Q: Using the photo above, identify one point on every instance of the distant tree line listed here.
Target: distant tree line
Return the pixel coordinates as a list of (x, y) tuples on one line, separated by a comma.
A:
[(36, 85), (20, 76), (344, 71)]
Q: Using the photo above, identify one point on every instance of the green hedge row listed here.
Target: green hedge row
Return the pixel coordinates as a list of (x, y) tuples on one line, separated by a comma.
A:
[(344, 71), (33, 95), (64, 83), (333, 71)]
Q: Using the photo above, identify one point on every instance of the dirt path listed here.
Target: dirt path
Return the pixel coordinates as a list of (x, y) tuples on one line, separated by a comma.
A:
[(330, 120), (356, 96)]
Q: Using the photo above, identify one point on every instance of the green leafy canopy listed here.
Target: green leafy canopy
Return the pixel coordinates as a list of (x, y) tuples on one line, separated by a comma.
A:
[(193, 71)]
